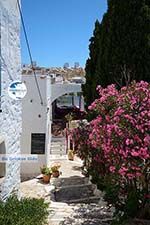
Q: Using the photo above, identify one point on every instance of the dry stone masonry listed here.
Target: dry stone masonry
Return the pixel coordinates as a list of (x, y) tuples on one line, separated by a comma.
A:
[(10, 117)]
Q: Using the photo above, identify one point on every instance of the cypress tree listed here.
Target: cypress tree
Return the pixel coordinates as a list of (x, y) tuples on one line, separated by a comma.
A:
[(128, 54), (89, 89), (122, 46)]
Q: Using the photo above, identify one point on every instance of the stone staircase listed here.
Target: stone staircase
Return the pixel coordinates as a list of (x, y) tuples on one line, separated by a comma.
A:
[(75, 190), (76, 201), (58, 146)]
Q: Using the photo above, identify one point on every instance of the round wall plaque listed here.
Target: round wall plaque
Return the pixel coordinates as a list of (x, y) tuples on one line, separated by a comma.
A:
[(17, 90)]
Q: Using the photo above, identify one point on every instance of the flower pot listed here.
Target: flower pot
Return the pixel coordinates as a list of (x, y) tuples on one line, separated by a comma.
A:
[(46, 178), (56, 174), (71, 155)]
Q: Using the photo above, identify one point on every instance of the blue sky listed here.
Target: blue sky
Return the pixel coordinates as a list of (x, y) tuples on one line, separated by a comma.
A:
[(59, 30)]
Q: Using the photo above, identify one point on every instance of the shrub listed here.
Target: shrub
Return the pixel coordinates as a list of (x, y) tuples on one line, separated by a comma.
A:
[(118, 143), (23, 212)]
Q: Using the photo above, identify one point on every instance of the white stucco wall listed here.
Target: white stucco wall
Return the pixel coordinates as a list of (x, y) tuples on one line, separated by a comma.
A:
[(32, 123), (58, 90), (10, 118)]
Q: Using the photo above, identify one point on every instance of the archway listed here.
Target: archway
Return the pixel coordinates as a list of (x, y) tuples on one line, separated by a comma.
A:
[(58, 145), (58, 90)]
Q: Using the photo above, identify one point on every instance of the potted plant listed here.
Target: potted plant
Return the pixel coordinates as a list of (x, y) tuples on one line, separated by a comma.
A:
[(55, 170), (46, 172), (70, 154)]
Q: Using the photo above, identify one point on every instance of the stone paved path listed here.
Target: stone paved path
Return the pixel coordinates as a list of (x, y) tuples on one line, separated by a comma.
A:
[(75, 201), (35, 188)]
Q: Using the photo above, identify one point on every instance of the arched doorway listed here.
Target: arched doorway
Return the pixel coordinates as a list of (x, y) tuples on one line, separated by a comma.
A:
[(63, 101)]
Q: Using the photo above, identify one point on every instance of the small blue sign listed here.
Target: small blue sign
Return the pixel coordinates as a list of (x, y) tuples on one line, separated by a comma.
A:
[(17, 90)]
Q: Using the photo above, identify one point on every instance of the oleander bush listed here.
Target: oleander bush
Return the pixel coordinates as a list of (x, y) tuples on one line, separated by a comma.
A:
[(116, 144), (23, 212)]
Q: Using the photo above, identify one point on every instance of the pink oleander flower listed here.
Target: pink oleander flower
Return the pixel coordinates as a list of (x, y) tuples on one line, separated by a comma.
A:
[(129, 141), (134, 153), (147, 140), (130, 176), (137, 174), (123, 171), (112, 169), (117, 141)]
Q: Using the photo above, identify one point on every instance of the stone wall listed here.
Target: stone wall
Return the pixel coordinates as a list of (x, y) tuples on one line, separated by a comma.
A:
[(10, 117)]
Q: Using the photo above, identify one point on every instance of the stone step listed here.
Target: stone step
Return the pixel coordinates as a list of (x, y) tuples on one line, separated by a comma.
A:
[(55, 157), (81, 221), (87, 200), (76, 201), (74, 180), (76, 214), (58, 153), (57, 146), (78, 222), (58, 142), (89, 214), (72, 192), (58, 150), (98, 213)]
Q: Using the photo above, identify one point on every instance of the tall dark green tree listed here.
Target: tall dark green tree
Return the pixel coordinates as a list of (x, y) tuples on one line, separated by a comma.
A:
[(123, 47), (91, 76)]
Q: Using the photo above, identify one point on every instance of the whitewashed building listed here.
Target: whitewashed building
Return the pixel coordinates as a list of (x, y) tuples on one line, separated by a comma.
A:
[(36, 124), (37, 118), (10, 110)]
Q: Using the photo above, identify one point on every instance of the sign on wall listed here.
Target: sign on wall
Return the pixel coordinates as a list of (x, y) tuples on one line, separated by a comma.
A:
[(38, 143), (17, 90)]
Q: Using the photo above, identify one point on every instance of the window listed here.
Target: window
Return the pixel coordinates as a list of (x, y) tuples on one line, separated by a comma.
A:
[(38, 143)]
